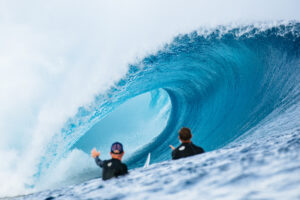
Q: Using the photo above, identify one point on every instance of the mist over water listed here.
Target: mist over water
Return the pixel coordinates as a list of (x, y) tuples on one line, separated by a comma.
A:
[(58, 58)]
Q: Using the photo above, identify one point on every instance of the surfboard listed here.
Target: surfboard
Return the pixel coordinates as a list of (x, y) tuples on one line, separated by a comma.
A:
[(147, 163)]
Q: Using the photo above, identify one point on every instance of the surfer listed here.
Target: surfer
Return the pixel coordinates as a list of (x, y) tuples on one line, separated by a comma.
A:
[(187, 148), (113, 167)]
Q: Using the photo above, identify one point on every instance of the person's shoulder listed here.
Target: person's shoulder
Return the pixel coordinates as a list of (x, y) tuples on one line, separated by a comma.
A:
[(177, 150), (124, 168), (180, 147), (198, 148), (195, 145), (105, 161), (109, 162), (124, 165)]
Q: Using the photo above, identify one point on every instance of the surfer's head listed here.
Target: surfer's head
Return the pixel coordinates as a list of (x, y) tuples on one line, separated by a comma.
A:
[(117, 150), (185, 135)]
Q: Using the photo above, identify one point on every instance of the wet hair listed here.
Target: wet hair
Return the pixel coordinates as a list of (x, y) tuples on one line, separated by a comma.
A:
[(185, 134)]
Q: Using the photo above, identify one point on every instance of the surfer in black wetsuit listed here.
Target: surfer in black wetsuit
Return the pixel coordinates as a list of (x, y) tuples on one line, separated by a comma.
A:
[(113, 167), (187, 148)]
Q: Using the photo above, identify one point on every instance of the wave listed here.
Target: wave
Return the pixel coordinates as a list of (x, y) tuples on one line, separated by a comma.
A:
[(221, 83)]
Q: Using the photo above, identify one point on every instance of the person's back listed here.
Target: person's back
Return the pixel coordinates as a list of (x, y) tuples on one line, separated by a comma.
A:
[(187, 148), (113, 167)]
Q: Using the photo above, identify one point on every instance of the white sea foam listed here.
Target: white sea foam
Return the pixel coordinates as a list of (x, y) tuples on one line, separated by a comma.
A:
[(56, 56)]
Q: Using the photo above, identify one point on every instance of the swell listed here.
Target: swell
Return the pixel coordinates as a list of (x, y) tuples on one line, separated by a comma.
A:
[(221, 83)]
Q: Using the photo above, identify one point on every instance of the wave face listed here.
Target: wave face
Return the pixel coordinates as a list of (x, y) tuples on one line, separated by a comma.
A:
[(221, 83)]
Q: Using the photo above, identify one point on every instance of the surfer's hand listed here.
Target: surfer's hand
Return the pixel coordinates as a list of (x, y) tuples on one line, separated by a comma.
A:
[(173, 148), (95, 153)]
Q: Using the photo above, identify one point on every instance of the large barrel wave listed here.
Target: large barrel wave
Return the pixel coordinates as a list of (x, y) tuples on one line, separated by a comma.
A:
[(221, 82)]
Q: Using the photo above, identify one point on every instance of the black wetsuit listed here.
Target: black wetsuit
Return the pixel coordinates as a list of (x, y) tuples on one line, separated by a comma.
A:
[(185, 150), (111, 168)]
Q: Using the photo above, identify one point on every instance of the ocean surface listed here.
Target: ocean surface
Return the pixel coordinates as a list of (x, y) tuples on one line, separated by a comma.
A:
[(237, 88), (262, 166)]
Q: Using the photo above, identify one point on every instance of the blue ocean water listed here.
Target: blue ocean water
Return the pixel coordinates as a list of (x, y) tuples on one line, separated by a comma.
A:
[(262, 166), (238, 89)]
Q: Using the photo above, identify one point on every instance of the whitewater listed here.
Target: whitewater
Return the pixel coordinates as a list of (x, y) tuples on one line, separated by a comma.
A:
[(83, 76)]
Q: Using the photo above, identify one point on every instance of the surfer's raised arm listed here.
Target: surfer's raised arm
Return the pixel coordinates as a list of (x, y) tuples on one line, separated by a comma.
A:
[(95, 154)]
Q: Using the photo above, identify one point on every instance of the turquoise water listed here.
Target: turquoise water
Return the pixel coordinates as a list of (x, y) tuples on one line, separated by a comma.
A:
[(139, 120), (225, 84)]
